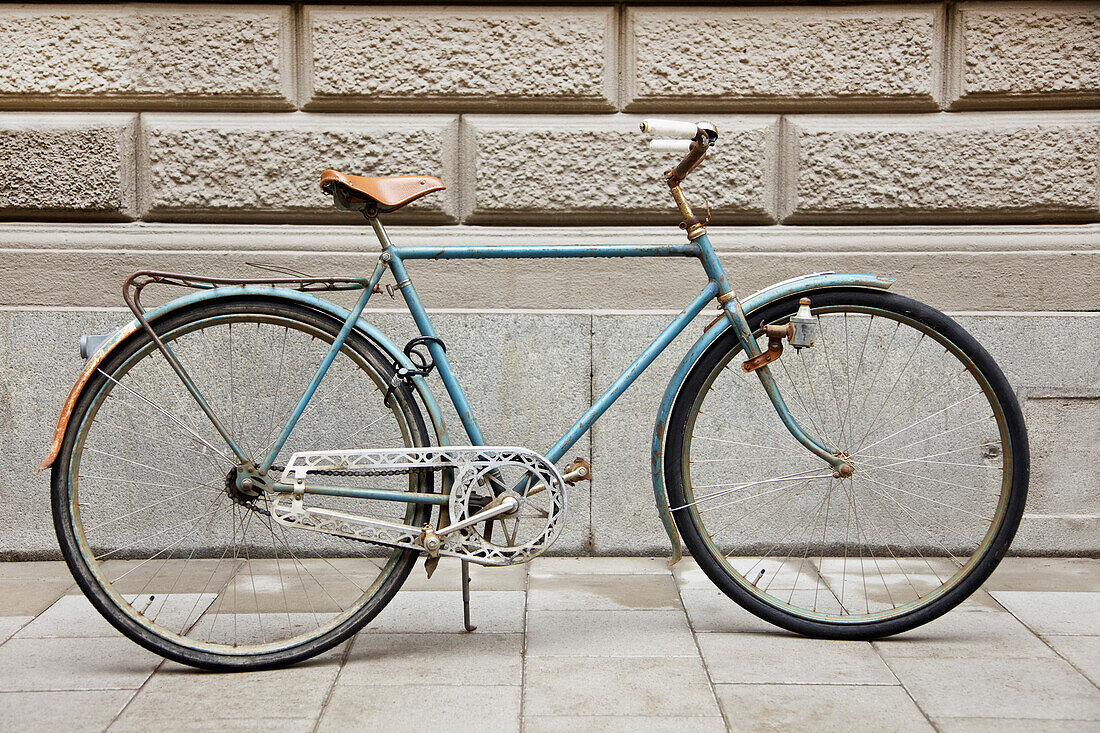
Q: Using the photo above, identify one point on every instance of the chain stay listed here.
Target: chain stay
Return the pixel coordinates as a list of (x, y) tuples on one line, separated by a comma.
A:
[(469, 462)]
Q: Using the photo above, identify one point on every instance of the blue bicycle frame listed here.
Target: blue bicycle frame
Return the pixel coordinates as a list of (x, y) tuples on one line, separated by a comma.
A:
[(394, 257)]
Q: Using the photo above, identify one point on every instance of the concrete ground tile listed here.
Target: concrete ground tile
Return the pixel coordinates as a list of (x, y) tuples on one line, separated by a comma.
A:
[(444, 659), (440, 612), (709, 609), (11, 624), (471, 708), (19, 597), (622, 724), (820, 708), (1060, 613), (602, 591), (969, 631), (1046, 574), (1022, 725), (616, 565), (204, 725), (44, 571), (74, 616), (1083, 652), (255, 628), (169, 576), (583, 686), (69, 616), (608, 634), (765, 658), (177, 692), (68, 710), (777, 575), (75, 664), (1008, 688), (448, 576)]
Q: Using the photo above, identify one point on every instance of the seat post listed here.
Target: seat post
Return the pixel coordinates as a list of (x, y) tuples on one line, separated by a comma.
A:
[(376, 224)]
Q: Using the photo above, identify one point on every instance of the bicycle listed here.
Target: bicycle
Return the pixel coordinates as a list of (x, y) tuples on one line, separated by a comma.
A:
[(220, 508)]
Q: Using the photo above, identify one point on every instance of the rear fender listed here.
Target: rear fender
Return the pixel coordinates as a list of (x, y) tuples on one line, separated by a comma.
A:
[(124, 332), (804, 284)]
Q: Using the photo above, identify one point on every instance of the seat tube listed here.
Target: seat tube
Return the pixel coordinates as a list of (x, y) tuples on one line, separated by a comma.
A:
[(732, 307), (439, 356)]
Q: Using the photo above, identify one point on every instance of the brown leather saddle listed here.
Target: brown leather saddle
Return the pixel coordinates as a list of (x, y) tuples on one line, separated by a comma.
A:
[(386, 193)]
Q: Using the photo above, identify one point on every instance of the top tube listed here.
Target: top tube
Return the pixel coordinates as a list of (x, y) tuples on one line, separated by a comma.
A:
[(534, 251)]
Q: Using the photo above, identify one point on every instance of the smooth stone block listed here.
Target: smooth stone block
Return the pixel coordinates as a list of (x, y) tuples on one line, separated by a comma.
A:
[(440, 612), (1083, 652), (75, 664), (68, 710), (602, 592)]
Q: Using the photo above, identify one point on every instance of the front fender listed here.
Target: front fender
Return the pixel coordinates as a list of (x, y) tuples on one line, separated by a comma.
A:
[(772, 293), (308, 299)]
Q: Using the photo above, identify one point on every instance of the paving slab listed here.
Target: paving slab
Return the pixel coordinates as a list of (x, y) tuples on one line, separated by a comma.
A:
[(74, 616), (448, 576), (1006, 688), (615, 565), (67, 710), (622, 724), (473, 708), (429, 611), (439, 659), (30, 596), (711, 610), (11, 624), (967, 631), (204, 725), (1083, 652), (1054, 612), (1046, 574), (608, 634), (1023, 725), (602, 592), (820, 708), (177, 692), (75, 664), (767, 658), (583, 686)]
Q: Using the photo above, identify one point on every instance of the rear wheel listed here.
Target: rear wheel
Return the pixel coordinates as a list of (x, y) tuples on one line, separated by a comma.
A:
[(940, 460), (159, 528)]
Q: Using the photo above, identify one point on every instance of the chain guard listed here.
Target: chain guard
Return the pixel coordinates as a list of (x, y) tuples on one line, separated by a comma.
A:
[(471, 465)]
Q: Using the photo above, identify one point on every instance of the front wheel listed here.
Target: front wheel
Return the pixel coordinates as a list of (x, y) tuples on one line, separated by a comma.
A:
[(940, 458)]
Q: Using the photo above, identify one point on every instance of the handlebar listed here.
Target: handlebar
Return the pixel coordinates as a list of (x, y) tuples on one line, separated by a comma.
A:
[(683, 137)]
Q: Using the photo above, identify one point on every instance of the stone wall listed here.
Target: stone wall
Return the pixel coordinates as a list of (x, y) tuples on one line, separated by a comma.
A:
[(954, 145)]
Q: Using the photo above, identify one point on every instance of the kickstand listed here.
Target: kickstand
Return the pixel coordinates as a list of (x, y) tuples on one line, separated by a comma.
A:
[(466, 596)]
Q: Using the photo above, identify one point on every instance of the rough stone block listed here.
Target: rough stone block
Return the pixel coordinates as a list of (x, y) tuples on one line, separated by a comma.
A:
[(252, 168), (371, 57), (783, 57), (83, 166), (148, 55), (599, 170), (962, 168), (1012, 55)]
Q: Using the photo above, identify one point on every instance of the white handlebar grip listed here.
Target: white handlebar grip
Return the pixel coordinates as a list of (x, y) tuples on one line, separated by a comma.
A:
[(665, 145), (670, 128)]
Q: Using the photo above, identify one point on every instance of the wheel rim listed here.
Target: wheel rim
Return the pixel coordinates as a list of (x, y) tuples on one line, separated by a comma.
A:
[(908, 555), (198, 565)]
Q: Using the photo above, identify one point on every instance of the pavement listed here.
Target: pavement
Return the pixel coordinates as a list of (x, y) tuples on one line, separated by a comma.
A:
[(579, 644)]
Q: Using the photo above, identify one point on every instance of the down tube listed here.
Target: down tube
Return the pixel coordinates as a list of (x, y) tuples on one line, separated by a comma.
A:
[(633, 372)]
